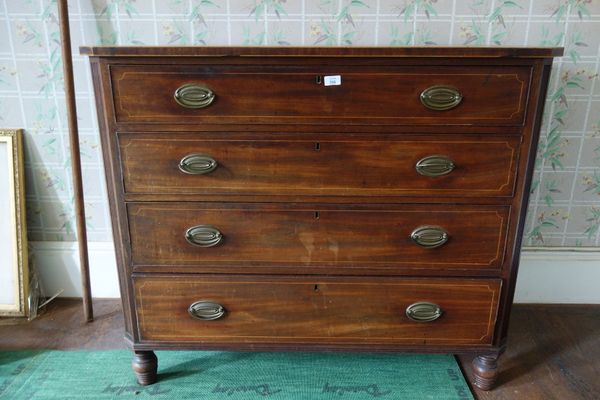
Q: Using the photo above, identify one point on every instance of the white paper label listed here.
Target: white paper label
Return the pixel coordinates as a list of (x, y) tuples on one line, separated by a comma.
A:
[(332, 80)]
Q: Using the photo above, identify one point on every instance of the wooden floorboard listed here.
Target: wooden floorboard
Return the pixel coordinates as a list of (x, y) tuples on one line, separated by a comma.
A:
[(62, 326), (553, 350), (553, 353)]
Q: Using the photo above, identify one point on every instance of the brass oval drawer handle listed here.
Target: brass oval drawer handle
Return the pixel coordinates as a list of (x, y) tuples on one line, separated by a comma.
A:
[(194, 95), (197, 164), (435, 165), (203, 236), (429, 236), (441, 97), (206, 310), (423, 311)]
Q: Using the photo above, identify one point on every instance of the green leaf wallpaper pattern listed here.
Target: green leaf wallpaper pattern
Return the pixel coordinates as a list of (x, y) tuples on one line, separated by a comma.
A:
[(565, 198)]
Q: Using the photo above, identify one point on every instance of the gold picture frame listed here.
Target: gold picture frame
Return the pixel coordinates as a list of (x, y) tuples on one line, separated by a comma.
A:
[(14, 272)]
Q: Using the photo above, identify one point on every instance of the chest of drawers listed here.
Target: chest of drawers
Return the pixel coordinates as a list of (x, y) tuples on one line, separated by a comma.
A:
[(368, 199)]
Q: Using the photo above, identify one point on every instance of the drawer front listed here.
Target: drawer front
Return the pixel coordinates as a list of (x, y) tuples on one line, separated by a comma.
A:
[(422, 166), (318, 309), (485, 95), (294, 237)]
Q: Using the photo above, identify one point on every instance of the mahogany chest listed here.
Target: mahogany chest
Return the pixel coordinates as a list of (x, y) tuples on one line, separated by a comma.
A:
[(368, 199)]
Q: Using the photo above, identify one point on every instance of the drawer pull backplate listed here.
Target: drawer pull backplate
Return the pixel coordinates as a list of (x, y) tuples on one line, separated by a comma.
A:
[(441, 97), (197, 164), (429, 236), (203, 236), (206, 310), (435, 165), (423, 312), (194, 95)]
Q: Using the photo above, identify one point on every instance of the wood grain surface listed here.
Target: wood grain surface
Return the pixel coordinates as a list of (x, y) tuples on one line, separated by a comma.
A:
[(428, 52), (323, 310), (325, 166), (318, 236), (491, 95)]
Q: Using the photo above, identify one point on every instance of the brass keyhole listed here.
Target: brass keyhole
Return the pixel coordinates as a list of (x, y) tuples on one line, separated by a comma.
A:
[(317, 146)]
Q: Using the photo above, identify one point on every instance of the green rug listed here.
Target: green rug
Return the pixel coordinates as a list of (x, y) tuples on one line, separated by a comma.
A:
[(228, 375)]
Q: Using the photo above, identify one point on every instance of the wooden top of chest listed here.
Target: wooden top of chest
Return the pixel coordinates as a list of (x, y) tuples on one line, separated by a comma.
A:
[(265, 51)]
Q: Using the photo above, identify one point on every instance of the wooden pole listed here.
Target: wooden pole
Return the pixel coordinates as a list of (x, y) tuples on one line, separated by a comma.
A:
[(67, 59)]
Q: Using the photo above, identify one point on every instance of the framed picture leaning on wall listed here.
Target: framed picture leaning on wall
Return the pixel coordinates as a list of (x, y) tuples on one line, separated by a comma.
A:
[(13, 233)]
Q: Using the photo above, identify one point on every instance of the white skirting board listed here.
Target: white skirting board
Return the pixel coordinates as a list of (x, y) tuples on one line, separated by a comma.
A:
[(58, 266), (545, 276), (559, 276)]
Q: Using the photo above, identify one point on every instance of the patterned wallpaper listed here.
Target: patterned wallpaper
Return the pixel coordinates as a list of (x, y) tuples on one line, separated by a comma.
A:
[(565, 204)]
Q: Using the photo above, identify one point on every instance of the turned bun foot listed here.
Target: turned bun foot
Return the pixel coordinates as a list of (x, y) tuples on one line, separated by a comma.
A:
[(145, 365), (485, 371)]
